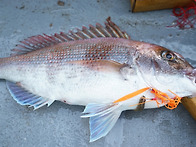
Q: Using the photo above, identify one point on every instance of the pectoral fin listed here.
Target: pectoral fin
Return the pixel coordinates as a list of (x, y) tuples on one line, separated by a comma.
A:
[(23, 97), (102, 119)]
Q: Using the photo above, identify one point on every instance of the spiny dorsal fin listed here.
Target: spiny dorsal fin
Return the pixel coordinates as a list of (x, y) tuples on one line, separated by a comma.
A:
[(97, 31)]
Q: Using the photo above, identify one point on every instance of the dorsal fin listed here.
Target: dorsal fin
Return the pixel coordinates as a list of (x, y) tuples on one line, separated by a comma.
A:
[(41, 41)]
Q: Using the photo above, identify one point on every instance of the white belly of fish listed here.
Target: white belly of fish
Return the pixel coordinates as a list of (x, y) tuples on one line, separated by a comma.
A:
[(78, 85)]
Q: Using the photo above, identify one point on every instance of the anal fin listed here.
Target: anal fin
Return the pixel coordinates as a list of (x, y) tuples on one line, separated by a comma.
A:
[(102, 119), (23, 97)]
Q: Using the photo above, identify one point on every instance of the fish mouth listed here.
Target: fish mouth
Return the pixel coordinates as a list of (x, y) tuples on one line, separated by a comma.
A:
[(191, 75)]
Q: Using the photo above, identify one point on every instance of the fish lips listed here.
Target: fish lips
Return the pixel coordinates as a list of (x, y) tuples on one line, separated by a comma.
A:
[(191, 75)]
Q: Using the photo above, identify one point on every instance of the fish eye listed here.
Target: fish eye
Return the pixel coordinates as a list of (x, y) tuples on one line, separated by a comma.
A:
[(168, 55)]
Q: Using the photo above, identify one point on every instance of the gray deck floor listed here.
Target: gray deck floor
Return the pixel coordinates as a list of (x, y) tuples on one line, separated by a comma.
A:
[(60, 124)]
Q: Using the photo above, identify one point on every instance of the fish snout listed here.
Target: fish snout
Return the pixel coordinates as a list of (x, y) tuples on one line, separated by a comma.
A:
[(191, 75), (194, 75)]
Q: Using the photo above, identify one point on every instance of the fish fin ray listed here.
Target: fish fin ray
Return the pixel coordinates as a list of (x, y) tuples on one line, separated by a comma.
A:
[(102, 119), (41, 41), (116, 30), (23, 97)]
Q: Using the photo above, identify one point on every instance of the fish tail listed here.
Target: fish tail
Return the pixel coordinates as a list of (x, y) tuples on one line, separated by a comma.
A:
[(2, 68)]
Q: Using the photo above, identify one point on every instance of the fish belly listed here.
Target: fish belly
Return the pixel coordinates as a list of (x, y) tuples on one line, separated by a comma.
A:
[(72, 83)]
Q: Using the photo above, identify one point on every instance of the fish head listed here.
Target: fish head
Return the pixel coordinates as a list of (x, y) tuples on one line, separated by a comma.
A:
[(164, 69)]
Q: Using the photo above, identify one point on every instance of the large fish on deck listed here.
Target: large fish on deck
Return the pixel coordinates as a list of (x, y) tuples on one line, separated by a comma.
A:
[(99, 67)]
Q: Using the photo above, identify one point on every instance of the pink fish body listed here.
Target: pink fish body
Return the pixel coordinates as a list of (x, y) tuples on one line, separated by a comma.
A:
[(94, 67)]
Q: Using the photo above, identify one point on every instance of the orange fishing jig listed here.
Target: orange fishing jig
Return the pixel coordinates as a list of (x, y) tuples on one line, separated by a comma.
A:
[(160, 98)]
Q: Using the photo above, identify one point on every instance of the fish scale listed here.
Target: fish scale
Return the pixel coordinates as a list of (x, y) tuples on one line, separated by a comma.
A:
[(76, 52)]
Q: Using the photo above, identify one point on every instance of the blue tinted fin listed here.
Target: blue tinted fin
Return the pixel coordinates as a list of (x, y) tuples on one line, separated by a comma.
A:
[(23, 97), (102, 118)]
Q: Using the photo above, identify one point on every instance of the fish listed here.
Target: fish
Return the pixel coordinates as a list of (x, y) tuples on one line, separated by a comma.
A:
[(99, 67)]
